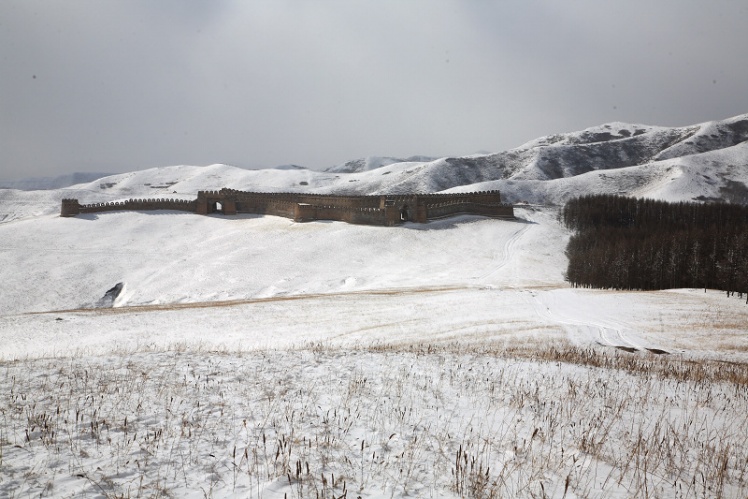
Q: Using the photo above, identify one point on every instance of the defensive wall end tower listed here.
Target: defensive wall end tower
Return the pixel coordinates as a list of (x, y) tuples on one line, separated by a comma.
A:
[(386, 210)]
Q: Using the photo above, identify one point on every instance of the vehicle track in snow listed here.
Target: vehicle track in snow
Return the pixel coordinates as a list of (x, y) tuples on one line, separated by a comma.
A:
[(507, 251), (606, 332)]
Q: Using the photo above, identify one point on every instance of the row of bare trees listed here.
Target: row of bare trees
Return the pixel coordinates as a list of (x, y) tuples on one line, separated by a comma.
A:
[(643, 244)]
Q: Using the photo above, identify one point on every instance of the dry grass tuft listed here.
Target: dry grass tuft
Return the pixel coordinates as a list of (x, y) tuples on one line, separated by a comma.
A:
[(449, 419)]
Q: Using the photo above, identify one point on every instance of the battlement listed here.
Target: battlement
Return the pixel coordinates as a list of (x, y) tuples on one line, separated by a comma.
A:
[(384, 210)]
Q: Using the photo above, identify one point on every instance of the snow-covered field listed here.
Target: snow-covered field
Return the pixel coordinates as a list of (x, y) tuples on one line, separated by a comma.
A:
[(422, 421), (257, 357)]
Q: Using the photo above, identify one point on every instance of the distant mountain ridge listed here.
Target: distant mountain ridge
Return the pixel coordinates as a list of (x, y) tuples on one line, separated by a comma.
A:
[(701, 162), (46, 183), (374, 162), (707, 161)]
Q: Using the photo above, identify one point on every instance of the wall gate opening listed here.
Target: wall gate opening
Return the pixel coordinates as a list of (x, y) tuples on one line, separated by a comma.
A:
[(404, 213)]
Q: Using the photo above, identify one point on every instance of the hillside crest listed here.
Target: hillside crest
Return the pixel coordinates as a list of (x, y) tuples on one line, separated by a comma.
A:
[(707, 161)]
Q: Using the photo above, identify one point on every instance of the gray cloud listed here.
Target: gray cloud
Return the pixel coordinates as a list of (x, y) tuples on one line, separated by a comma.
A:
[(124, 85)]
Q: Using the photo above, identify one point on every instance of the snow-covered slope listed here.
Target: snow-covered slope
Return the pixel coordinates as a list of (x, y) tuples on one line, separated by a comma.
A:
[(705, 161), (163, 257), (50, 262), (379, 356), (699, 162), (374, 162)]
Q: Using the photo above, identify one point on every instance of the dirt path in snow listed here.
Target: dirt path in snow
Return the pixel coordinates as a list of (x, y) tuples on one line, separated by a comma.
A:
[(245, 301)]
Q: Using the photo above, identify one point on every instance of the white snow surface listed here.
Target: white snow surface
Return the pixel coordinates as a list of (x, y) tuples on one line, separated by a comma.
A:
[(253, 356), (374, 162)]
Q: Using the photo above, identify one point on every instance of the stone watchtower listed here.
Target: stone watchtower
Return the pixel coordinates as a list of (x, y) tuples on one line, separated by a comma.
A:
[(70, 208)]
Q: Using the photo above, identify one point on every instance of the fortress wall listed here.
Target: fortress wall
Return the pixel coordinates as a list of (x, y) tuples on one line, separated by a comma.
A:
[(401, 198), (70, 208), (483, 197), (339, 201), (259, 199), (323, 200), (276, 207), (140, 205), (369, 216), (251, 207), (298, 197), (260, 202), (487, 210), (373, 210), (304, 212), (280, 208)]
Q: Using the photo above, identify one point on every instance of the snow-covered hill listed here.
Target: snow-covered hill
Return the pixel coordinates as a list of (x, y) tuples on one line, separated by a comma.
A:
[(50, 262), (707, 161), (252, 356), (374, 162), (701, 162)]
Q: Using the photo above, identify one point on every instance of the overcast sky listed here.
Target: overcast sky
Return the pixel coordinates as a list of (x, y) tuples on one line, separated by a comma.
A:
[(113, 86)]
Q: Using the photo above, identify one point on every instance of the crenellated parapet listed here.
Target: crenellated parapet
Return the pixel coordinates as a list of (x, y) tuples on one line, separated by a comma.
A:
[(450, 209), (384, 209), (364, 216), (71, 207), (140, 205)]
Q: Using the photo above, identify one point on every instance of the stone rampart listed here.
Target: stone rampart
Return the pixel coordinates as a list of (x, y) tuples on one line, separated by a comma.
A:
[(483, 197), (281, 208), (443, 210), (373, 210), (140, 205), (261, 198), (364, 216), (70, 208)]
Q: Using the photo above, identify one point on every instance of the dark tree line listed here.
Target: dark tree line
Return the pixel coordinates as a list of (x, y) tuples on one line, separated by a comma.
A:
[(643, 244)]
